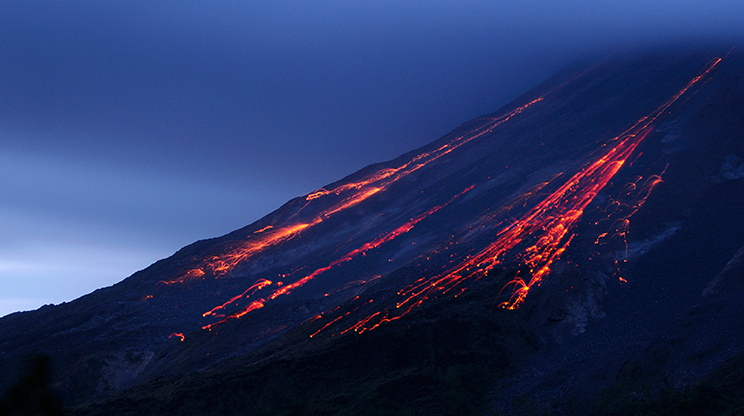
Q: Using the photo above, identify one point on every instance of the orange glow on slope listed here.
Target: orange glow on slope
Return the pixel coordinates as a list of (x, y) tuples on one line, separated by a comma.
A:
[(619, 227), (352, 201), (624, 210), (268, 227), (221, 265), (252, 307), (360, 191), (366, 247), (189, 275), (179, 335), (286, 289), (260, 284), (393, 174), (543, 232), (545, 228), (338, 318)]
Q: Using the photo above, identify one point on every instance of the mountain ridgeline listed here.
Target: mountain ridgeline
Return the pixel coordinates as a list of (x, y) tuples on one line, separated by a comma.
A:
[(578, 251)]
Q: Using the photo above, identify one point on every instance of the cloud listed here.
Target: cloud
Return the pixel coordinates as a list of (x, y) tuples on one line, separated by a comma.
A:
[(71, 228)]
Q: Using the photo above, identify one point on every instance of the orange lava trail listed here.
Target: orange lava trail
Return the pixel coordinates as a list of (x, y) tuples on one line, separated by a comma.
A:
[(179, 335), (220, 265), (286, 289), (360, 191), (367, 246), (397, 173), (260, 284), (339, 317), (256, 304), (540, 236), (326, 326), (623, 211)]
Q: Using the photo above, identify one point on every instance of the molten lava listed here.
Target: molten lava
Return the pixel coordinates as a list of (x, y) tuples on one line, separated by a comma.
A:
[(177, 335), (353, 193), (531, 243), (631, 199), (286, 289), (538, 238)]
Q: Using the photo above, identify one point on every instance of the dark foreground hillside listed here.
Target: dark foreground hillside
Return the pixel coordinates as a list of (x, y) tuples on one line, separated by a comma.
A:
[(442, 360)]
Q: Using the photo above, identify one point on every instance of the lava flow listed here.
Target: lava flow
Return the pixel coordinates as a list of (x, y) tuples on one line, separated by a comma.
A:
[(635, 197), (220, 265), (631, 199), (353, 193), (387, 176), (540, 236), (286, 289), (178, 335), (544, 230)]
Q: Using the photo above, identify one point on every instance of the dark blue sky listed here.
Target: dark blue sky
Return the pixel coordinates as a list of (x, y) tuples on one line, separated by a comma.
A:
[(129, 129)]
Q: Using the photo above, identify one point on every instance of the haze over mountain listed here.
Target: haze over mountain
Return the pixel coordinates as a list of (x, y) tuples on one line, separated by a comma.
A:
[(585, 229)]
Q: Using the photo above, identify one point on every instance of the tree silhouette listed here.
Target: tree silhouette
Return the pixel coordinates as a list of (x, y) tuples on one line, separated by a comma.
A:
[(32, 394)]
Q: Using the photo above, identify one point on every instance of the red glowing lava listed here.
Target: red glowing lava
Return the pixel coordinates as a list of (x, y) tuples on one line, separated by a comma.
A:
[(262, 283), (353, 193), (540, 236), (286, 289), (178, 335), (631, 199)]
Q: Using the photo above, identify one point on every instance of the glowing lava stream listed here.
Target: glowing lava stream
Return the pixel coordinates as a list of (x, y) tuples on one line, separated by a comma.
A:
[(413, 165), (360, 191), (286, 289), (177, 335), (544, 231), (619, 227)]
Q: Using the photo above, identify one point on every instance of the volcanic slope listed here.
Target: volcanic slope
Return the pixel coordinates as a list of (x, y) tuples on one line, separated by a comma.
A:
[(596, 210)]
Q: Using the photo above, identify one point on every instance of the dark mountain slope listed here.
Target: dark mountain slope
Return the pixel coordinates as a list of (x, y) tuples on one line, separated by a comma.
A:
[(530, 207), (440, 360), (665, 328)]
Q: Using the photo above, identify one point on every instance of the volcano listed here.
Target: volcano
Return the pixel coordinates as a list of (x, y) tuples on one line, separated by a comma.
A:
[(577, 251)]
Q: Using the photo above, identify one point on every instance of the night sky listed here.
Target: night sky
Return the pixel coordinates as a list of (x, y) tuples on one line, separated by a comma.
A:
[(129, 129)]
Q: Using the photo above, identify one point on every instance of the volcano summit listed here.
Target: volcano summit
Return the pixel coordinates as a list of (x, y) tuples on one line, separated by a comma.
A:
[(578, 251)]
